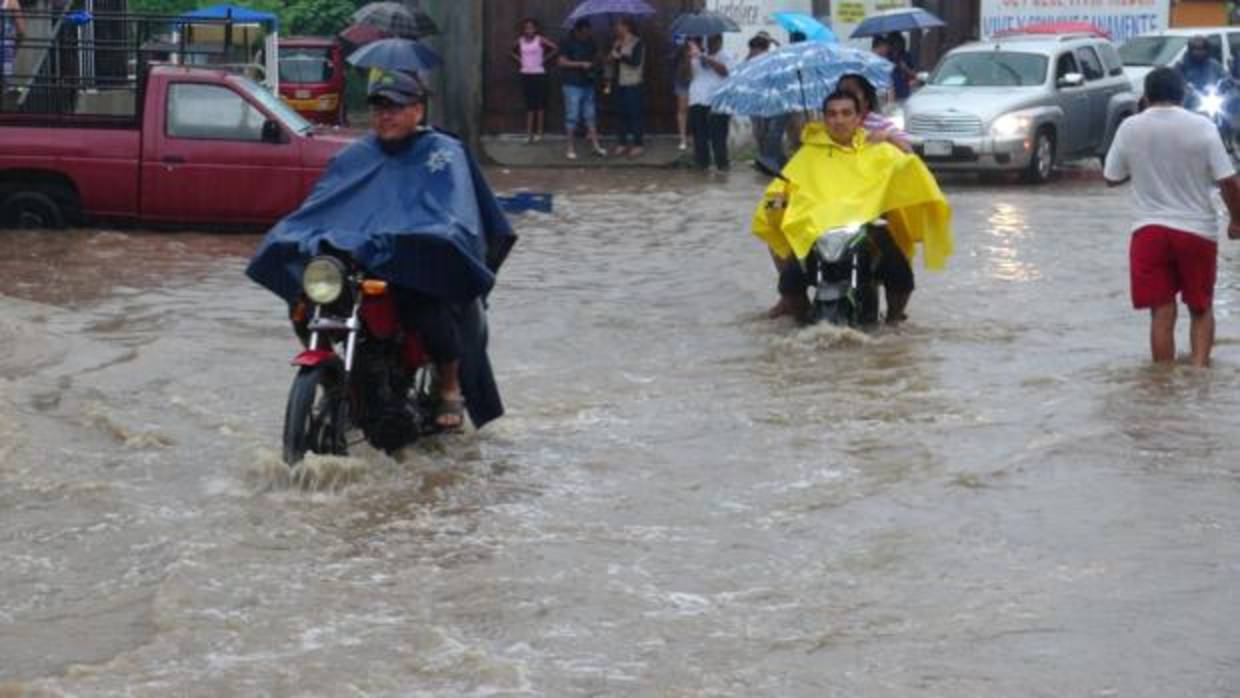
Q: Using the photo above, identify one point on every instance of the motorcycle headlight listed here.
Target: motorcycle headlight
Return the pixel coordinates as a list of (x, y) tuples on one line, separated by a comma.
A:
[(832, 245), (1211, 104), (323, 280), (1011, 126)]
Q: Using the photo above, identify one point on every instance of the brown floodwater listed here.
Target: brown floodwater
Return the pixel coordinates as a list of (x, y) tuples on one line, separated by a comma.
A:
[(999, 498)]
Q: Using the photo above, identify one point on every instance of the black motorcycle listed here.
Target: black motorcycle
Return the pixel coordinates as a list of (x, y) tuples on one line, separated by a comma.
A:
[(842, 267), (360, 370)]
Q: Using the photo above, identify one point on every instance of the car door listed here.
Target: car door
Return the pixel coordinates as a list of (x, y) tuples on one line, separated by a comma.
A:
[(211, 163), (1074, 101), (1099, 95)]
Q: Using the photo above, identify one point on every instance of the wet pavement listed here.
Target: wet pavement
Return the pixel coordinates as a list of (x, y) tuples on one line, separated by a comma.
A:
[(999, 498)]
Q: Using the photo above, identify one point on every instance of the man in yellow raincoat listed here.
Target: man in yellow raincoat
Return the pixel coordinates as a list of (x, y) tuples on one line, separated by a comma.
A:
[(839, 179)]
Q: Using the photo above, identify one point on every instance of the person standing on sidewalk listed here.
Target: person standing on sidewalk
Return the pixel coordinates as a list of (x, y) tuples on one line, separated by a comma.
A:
[(579, 63), (12, 28), (1174, 159), (531, 52), (629, 55), (710, 129)]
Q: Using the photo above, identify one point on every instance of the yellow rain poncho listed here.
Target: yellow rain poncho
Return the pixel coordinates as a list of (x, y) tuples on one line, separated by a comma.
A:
[(834, 186)]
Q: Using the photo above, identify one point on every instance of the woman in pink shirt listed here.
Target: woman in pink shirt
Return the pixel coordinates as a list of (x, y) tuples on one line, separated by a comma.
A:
[(531, 51)]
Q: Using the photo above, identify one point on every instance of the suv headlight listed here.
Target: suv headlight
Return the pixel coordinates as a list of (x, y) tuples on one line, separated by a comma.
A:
[(897, 119), (323, 280), (1011, 126)]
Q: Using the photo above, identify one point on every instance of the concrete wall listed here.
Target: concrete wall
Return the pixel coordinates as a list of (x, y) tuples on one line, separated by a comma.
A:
[(457, 104)]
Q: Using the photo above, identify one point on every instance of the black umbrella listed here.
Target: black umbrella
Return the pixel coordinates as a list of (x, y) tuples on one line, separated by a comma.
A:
[(396, 19), (704, 23)]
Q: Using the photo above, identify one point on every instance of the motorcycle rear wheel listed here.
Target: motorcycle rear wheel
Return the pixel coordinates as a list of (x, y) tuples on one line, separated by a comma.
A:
[(316, 417)]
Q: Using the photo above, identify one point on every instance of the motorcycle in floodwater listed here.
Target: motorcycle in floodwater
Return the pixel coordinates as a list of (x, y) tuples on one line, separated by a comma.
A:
[(1218, 104), (360, 371), (842, 267)]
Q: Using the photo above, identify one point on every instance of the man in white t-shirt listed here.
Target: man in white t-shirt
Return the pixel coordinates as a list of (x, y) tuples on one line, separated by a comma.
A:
[(1174, 159), (710, 129)]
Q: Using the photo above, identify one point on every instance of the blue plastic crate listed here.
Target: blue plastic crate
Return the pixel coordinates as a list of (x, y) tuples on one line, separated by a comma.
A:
[(526, 201)]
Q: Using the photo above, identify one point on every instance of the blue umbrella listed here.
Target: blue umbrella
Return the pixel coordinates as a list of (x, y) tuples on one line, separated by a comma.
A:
[(395, 54), (594, 8), (795, 78), (704, 23), (813, 29), (897, 20)]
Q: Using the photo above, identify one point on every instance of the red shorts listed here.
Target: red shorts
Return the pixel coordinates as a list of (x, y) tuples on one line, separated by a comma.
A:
[(1164, 262)]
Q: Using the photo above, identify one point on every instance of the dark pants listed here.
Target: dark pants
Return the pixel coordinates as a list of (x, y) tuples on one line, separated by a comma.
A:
[(630, 101), (768, 134), (434, 322), (710, 134)]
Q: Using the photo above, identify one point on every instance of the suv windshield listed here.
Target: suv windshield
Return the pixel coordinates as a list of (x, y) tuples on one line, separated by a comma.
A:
[(276, 106), (991, 69), (305, 65), (1151, 50)]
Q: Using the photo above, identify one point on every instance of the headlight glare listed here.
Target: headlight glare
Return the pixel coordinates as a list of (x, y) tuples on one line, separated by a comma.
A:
[(897, 119), (323, 280), (1011, 126)]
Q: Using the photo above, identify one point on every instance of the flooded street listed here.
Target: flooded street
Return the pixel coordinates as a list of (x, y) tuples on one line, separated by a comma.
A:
[(1000, 498)]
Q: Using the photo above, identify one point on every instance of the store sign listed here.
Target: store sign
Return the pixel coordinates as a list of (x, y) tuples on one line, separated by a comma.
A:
[(1122, 19), (754, 16)]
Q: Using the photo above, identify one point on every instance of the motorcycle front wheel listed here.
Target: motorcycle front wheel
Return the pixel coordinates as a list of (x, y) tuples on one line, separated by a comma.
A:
[(316, 418)]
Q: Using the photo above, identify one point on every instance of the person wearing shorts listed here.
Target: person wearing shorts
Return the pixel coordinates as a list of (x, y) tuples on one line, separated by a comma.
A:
[(531, 51), (1174, 159), (579, 57)]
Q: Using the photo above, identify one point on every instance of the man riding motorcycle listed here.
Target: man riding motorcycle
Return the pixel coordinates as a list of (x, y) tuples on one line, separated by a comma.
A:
[(1200, 70), (409, 204), (838, 179)]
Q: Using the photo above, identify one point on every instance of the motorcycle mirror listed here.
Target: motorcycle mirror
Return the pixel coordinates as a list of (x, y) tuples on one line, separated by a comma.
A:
[(769, 167)]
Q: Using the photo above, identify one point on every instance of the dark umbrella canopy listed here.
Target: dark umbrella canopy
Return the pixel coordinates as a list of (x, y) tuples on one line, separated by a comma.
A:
[(595, 8), (361, 34), (898, 20), (396, 19), (395, 54), (704, 23)]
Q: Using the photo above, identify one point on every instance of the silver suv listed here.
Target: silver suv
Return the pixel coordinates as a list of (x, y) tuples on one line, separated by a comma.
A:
[(1021, 103)]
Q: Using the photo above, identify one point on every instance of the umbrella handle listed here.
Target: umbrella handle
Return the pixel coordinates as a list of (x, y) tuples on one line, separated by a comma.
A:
[(804, 106)]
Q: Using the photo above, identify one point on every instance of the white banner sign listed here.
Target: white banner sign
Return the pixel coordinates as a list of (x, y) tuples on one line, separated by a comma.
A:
[(1122, 19), (754, 16)]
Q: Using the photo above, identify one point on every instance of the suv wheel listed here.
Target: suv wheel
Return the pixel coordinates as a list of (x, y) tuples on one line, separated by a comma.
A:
[(1042, 162)]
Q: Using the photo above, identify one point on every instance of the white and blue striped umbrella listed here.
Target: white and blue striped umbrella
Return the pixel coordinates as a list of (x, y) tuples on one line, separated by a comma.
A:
[(795, 78)]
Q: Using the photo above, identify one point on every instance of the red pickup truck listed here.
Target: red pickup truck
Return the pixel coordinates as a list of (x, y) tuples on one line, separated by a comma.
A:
[(195, 148)]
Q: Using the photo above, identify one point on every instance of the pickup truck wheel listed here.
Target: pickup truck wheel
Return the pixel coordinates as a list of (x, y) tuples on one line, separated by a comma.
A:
[(1042, 162), (31, 209)]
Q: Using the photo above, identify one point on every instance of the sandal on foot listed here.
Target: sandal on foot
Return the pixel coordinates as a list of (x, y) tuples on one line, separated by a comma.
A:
[(453, 409)]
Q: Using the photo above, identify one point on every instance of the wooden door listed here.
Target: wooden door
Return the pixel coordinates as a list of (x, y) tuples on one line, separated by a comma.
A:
[(503, 102)]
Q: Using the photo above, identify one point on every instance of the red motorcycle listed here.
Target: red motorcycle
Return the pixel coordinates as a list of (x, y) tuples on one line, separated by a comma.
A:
[(361, 371)]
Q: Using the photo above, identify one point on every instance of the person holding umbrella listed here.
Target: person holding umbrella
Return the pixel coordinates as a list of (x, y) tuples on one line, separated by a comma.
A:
[(578, 63), (904, 74), (710, 129), (531, 51)]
